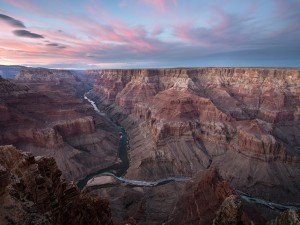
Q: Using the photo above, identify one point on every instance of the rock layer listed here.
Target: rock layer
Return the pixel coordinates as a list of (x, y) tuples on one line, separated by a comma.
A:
[(181, 121), (43, 112)]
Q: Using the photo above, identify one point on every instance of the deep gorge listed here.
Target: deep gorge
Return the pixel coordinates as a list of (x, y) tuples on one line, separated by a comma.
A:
[(218, 131)]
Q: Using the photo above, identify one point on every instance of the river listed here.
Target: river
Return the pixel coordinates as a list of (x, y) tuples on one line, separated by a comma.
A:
[(121, 170), (122, 153)]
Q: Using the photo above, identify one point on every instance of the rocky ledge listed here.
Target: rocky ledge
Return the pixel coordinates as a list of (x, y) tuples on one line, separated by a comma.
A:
[(32, 192)]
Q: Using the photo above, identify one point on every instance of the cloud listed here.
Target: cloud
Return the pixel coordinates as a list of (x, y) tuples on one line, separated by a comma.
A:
[(157, 31), (26, 33), (56, 45), (11, 21), (225, 30), (186, 35), (160, 5)]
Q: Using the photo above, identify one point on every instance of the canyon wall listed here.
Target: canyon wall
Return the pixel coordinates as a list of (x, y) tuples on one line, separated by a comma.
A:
[(43, 112), (243, 121)]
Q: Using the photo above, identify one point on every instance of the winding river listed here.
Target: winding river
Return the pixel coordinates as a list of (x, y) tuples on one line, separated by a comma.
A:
[(122, 169), (122, 153), (118, 174)]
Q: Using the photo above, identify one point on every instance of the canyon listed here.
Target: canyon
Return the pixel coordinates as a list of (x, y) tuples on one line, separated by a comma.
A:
[(198, 141), (243, 121), (41, 112)]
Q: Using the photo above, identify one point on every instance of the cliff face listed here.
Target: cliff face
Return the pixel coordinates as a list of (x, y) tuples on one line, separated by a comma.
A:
[(183, 120), (43, 112), (201, 200), (42, 75), (32, 192), (211, 200), (9, 88)]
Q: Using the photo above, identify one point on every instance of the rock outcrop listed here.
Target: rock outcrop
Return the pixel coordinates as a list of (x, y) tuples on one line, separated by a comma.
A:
[(287, 218), (9, 88), (142, 205), (181, 121), (201, 200), (234, 211), (32, 192), (211, 200)]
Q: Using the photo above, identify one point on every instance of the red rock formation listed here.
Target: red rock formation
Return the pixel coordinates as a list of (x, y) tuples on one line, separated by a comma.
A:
[(234, 211), (32, 192), (43, 113), (182, 120), (76, 127), (9, 88), (210, 200), (201, 200), (46, 75)]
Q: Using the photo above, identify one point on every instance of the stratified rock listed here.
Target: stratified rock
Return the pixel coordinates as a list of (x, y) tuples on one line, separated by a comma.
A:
[(290, 217), (235, 212), (9, 88), (243, 121), (45, 75), (34, 193), (43, 112)]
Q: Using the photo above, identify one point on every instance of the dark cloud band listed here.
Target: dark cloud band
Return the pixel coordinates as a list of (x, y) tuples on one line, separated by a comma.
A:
[(11, 21), (26, 33)]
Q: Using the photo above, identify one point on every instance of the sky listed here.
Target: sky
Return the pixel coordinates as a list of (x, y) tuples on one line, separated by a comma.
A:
[(99, 34)]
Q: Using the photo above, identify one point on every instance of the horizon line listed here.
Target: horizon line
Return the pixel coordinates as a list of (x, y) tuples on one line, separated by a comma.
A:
[(141, 68)]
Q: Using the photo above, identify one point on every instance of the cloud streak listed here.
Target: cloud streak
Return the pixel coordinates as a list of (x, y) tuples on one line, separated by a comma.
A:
[(11, 21), (26, 34), (56, 45)]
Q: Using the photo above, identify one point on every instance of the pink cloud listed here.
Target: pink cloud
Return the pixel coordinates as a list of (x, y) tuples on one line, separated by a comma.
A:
[(157, 31), (160, 5), (116, 31), (190, 35)]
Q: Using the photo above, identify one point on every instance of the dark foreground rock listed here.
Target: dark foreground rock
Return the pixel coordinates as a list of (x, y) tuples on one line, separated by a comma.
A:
[(32, 192)]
